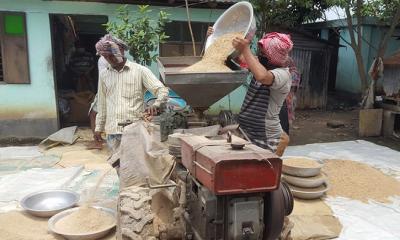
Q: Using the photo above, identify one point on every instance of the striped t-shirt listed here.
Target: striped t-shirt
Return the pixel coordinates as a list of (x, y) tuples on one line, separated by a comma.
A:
[(259, 116)]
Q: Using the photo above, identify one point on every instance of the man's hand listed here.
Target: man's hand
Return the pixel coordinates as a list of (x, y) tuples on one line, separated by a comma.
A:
[(210, 31), (97, 137), (241, 44), (152, 110)]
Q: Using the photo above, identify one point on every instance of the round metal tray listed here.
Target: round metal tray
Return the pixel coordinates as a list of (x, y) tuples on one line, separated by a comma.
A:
[(86, 236), (50, 202), (306, 182), (309, 193), (237, 18), (300, 171)]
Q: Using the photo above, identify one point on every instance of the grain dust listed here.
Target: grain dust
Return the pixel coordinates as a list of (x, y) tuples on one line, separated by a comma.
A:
[(301, 163), (17, 225), (85, 220), (359, 181), (215, 56)]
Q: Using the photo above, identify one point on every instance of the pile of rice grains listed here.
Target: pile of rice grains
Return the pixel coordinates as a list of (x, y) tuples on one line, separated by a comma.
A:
[(359, 181)]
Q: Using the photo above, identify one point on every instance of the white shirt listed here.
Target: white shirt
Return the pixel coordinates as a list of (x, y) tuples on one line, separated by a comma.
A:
[(279, 89), (121, 93)]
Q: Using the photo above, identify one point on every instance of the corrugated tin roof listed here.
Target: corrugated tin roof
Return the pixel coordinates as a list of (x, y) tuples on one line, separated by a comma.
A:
[(194, 3)]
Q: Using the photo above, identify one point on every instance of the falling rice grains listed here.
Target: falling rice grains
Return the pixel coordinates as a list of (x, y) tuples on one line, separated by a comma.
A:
[(359, 181), (215, 55)]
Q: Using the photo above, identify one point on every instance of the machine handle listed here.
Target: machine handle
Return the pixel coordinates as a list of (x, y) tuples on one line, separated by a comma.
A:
[(158, 186), (229, 139), (244, 134)]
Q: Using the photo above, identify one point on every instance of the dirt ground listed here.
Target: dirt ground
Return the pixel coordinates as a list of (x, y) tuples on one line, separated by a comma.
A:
[(310, 126)]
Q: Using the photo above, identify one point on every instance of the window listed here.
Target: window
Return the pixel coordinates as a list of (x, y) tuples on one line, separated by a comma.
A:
[(14, 66), (180, 41)]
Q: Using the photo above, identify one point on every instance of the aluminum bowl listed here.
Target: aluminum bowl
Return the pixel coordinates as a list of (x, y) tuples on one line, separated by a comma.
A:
[(237, 18), (84, 236), (309, 193), (301, 171), (48, 203), (306, 182)]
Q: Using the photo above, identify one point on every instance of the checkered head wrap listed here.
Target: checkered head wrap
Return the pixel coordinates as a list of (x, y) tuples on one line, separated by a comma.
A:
[(111, 45), (276, 47)]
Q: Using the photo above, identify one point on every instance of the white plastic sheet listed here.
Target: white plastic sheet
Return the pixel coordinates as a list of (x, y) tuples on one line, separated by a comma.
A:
[(19, 152), (361, 221), (14, 187), (383, 158), (373, 221)]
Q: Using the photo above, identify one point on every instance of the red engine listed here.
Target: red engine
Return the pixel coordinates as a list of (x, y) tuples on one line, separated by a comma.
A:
[(224, 170), (232, 190)]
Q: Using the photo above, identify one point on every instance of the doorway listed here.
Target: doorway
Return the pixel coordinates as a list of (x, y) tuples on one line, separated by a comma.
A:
[(75, 64), (335, 39)]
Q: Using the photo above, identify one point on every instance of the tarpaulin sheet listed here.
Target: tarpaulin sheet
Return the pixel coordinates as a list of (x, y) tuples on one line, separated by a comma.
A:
[(19, 152), (14, 159), (13, 187), (371, 220)]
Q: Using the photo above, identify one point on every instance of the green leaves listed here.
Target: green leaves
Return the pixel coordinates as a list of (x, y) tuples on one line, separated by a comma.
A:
[(288, 13), (384, 10), (140, 32)]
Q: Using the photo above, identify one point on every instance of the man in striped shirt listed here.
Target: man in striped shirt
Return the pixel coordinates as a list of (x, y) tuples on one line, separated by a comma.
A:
[(121, 90), (259, 116)]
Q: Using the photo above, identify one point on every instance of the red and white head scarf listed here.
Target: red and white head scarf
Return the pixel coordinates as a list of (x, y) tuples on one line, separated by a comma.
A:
[(276, 47)]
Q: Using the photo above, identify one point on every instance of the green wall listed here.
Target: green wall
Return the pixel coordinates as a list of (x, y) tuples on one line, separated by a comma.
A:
[(36, 102), (347, 77)]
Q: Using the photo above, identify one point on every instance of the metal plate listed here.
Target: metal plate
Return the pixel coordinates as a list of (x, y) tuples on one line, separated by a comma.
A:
[(246, 213), (309, 193), (300, 171), (237, 18), (87, 236), (199, 90), (306, 182), (48, 203)]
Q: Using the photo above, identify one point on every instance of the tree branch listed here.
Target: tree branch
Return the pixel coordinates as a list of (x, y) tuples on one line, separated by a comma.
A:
[(341, 37), (384, 42), (349, 20), (359, 24)]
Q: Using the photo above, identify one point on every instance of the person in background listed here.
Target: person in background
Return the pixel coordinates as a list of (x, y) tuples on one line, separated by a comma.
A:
[(121, 91), (271, 83), (287, 114)]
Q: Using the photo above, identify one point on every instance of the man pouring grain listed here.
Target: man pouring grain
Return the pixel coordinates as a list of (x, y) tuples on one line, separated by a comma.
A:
[(259, 116)]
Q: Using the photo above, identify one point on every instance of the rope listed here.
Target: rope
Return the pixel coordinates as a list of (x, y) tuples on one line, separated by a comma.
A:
[(205, 40), (184, 5), (190, 27)]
